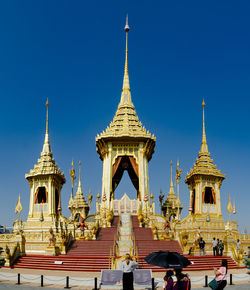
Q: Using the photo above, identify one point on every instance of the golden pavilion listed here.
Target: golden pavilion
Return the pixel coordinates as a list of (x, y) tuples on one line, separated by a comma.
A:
[(125, 145)]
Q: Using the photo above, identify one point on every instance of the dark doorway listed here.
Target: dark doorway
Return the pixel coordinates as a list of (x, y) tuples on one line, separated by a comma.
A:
[(193, 202), (129, 164), (56, 200), (41, 196), (208, 197)]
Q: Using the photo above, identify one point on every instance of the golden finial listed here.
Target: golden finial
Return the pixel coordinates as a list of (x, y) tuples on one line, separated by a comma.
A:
[(104, 198), (178, 172), (234, 208), (46, 145), (19, 207), (203, 104), (126, 87), (90, 197), (73, 177), (204, 148), (178, 177), (126, 28), (229, 207)]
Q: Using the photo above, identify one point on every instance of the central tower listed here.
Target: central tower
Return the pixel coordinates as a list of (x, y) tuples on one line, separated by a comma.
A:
[(125, 145)]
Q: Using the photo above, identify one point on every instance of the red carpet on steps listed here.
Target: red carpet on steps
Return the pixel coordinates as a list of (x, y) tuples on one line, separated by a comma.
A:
[(93, 256), (146, 245)]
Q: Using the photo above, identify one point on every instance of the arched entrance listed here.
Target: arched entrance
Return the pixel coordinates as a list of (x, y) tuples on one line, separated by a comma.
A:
[(125, 163)]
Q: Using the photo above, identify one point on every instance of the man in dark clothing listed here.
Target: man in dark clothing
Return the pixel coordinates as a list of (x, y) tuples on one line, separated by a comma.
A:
[(221, 247), (202, 246)]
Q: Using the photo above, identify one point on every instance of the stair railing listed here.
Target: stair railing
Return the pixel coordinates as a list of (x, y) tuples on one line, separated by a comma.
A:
[(114, 250), (110, 258), (134, 253)]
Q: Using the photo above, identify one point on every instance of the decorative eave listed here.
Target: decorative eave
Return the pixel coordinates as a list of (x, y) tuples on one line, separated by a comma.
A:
[(46, 166), (102, 144), (204, 167)]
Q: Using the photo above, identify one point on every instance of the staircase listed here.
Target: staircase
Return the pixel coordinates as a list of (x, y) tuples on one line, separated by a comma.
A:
[(208, 262), (146, 244), (93, 256), (90, 256), (125, 242)]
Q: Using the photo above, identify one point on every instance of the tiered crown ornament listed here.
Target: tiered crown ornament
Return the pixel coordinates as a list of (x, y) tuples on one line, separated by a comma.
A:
[(172, 206), (78, 206)]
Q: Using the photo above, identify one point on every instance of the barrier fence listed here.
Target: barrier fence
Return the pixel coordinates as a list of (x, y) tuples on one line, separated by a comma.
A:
[(43, 279)]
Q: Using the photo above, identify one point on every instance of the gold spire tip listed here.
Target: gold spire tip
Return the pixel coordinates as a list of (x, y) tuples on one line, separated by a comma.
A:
[(203, 104), (126, 28), (47, 103), (80, 163)]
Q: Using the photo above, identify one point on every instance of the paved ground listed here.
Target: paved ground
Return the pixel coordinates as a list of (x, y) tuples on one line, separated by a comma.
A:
[(31, 279), (5, 286)]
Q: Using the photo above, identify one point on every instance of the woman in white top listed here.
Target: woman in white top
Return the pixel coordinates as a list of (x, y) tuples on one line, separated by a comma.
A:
[(128, 266)]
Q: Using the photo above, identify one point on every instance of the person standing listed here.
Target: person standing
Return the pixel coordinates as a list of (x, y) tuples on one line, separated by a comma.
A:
[(183, 281), (128, 267), (221, 247), (168, 280), (221, 275), (217, 248), (238, 246), (214, 244), (202, 246)]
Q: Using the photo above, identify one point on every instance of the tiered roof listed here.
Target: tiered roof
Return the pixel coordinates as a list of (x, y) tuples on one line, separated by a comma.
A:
[(46, 163), (204, 164), (125, 123)]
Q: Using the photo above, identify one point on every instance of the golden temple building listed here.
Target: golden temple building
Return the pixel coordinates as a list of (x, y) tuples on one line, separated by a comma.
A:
[(124, 145)]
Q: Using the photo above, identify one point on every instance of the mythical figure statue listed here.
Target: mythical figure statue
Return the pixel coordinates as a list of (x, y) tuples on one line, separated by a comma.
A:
[(52, 238)]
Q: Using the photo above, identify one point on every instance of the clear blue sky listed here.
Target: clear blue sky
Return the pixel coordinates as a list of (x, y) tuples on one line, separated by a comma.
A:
[(73, 53)]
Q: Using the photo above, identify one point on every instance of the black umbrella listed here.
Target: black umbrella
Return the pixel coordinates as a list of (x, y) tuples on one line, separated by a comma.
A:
[(166, 259)]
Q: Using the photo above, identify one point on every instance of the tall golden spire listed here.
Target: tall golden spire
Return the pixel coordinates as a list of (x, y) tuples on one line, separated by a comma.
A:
[(126, 95), (125, 123), (46, 163), (46, 145), (79, 190), (171, 189), (204, 148), (204, 164)]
